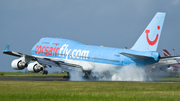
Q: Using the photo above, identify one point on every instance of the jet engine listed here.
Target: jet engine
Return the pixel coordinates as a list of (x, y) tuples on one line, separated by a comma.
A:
[(173, 69), (18, 64), (34, 67), (170, 69)]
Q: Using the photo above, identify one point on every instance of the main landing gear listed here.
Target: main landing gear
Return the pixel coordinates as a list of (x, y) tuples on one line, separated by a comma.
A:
[(87, 75), (84, 75), (45, 72), (67, 77)]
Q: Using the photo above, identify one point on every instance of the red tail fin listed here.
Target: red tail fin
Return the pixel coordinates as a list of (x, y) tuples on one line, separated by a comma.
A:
[(166, 53)]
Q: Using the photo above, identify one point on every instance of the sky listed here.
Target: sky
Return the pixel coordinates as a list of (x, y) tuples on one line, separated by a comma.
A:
[(111, 23)]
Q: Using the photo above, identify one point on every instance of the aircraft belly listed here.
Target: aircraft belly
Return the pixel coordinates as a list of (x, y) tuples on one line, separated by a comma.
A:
[(90, 65)]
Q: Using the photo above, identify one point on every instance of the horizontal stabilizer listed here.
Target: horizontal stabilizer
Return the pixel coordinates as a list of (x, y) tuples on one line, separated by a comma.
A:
[(136, 57)]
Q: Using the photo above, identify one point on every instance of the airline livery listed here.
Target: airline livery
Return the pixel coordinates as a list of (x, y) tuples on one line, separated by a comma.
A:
[(166, 53), (71, 55), (174, 63)]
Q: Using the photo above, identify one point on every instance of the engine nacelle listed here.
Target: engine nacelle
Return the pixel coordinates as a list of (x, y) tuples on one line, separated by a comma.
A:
[(86, 66), (170, 69), (18, 64), (35, 67)]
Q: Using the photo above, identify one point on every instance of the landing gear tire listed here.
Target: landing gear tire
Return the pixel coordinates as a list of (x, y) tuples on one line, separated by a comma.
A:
[(67, 77), (86, 75), (44, 72)]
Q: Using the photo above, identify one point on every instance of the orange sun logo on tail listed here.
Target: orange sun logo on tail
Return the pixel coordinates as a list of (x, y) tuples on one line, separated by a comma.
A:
[(155, 40)]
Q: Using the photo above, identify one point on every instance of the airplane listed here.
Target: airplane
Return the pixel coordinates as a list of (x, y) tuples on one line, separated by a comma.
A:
[(71, 55), (175, 63)]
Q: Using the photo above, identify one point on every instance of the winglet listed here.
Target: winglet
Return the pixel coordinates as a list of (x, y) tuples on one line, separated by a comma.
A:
[(7, 48)]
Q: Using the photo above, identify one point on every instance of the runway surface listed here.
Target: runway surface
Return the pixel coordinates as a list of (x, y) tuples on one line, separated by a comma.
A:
[(60, 78), (47, 78)]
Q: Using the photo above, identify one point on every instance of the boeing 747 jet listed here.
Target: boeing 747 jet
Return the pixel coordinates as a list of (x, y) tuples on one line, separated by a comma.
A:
[(71, 55)]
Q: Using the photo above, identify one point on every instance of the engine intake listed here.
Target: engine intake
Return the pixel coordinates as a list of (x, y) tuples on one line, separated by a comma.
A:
[(35, 67), (18, 64)]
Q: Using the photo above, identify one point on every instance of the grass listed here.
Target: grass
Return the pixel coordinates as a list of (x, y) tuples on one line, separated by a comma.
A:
[(88, 91), (21, 74), (171, 79)]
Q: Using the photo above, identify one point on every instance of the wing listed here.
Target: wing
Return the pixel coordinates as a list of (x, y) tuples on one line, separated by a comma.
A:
[(168, 61), (42, 60)]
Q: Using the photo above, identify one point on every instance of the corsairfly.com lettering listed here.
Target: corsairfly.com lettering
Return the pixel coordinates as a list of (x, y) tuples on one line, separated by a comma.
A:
[(63, 51)]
